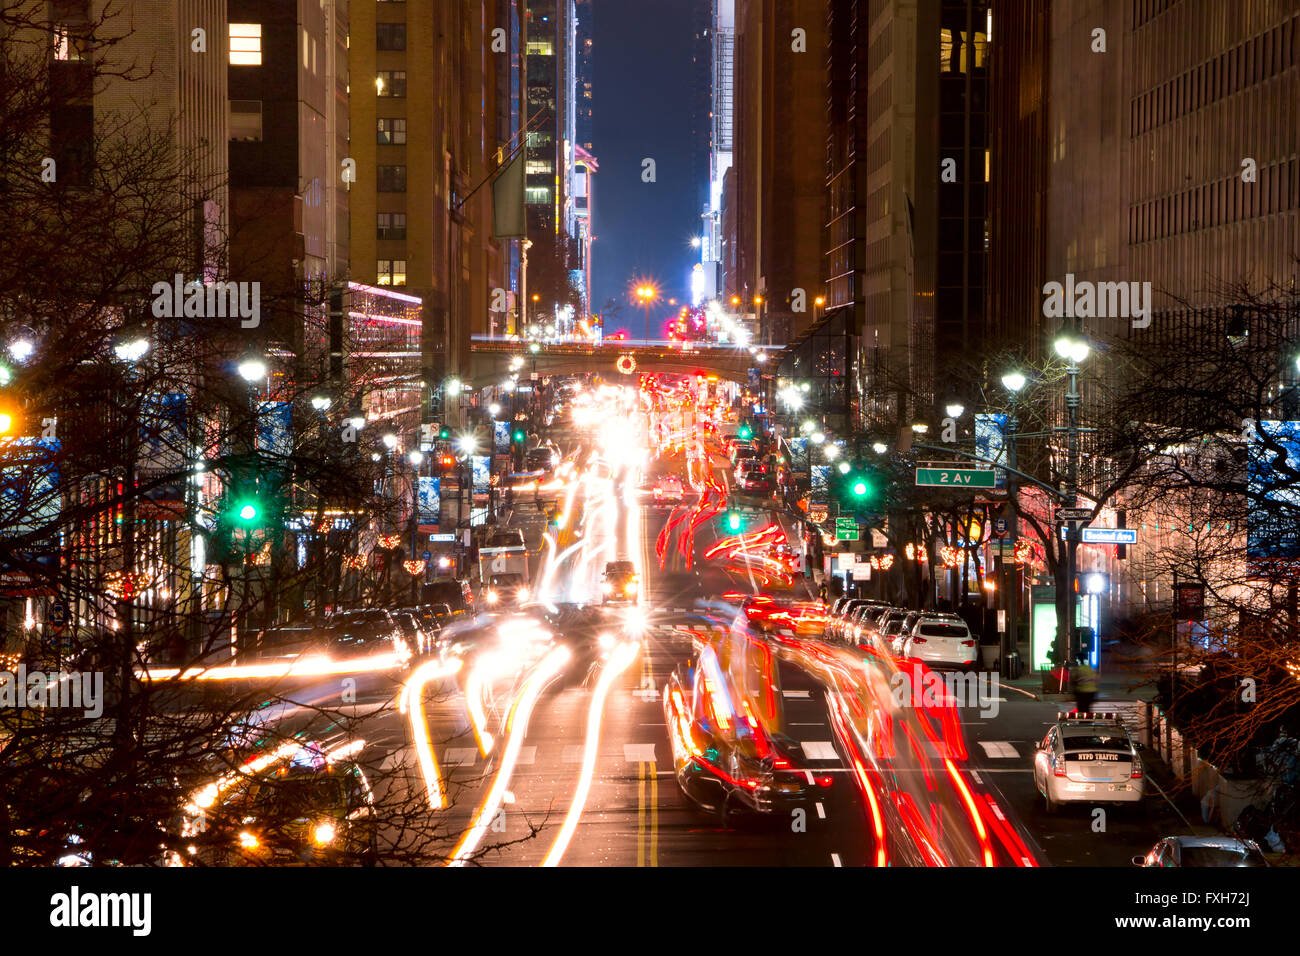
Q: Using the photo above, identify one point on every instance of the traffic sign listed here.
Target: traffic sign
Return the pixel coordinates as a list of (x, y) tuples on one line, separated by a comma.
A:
[(1073, 514), (58, 614), (955, 475), (1110, 536), (846, 529), (1000, 527), (427, 556)]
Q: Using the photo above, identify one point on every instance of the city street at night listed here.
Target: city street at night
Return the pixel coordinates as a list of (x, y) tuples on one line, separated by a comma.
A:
[(691, 435)]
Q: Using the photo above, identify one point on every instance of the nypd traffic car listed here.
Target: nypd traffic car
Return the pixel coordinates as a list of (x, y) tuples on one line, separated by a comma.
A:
[(1088, 758)]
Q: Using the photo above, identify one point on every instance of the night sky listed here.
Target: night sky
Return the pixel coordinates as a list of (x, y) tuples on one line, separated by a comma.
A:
[(641, 108)]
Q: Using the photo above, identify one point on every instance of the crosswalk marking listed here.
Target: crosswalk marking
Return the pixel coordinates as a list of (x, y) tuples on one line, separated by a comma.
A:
[(456, 756), (526, 755), (795, 694), (637, 753), (819, 750), (573, 753), (999, 748)]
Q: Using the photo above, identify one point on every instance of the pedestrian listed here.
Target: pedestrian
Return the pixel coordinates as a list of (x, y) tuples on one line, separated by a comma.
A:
[(1084, 681)]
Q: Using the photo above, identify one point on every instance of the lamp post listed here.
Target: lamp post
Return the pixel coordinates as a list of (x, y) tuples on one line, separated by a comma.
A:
[(1013, 382), (1070, 346), (416, 458)]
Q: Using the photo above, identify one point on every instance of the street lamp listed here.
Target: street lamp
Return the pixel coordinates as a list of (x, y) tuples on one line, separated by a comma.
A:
[(879, 447), (132, 350), (1013, 381), (21, 349), (320, 402), (390, 440), (252, 369), (494, 409), (1072, 347), (954, 409), (416, 458)]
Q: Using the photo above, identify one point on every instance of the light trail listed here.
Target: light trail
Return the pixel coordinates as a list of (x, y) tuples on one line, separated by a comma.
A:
[(313, 665), (516, 728), (619, 660), (412, 704)]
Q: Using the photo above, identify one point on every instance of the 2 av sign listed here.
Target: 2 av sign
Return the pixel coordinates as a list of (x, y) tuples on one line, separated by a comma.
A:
[(956, 476)]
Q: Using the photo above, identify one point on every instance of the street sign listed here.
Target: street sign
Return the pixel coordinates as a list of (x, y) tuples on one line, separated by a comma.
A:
[(955, 475), (1003, 545), (58, 614), (1073, 514), (427, 556), (846, 529), (1000, 527), (1110, 536), (444, 536)]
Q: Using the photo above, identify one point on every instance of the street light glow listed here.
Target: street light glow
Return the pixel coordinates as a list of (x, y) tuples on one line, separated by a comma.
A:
[(21, 349), (252, 370), (954, 409), (1013, 381), (131, 351), (415, 458), (468, 444), (320, 402), (390, 440), (879, 447)]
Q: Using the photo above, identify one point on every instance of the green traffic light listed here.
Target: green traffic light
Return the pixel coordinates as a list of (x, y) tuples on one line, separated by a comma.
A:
[(519, 436), (860, 488), (733, 522), (444, 434), (746, 432), (247, 511)]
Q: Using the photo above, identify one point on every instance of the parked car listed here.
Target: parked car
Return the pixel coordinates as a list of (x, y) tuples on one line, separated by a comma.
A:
[(942, 640), (1203, 851)]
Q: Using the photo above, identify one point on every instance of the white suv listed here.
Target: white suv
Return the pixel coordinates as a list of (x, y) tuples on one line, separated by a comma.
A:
[(941, 639)]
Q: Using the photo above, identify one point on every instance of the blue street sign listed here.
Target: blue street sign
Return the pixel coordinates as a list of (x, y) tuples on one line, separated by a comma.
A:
[(58, 614), (999, 526), (1109, 536), (427, 556)]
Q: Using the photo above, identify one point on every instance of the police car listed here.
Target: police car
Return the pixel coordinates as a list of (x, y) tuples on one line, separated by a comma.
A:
[(1088, 758)]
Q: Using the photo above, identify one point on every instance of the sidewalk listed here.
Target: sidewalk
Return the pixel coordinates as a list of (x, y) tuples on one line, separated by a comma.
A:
[(1125, 673)]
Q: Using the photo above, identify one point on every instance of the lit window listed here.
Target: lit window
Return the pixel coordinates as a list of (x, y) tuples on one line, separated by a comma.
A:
[(537, 195), (390, 225), (68, 46), (391, 272), (246, 121), (391, 83), (538, 167), (540, 48), (390, 132), (246, 44)]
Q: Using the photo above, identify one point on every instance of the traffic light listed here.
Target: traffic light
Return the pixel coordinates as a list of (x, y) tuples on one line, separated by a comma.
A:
[(444, 433), (745, 433), (518, 436), (247, 511), (854, 487), (447, 460), (733, 521)]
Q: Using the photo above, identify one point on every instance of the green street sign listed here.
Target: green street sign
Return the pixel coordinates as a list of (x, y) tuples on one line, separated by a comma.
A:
[(956, 476), (846, 529)]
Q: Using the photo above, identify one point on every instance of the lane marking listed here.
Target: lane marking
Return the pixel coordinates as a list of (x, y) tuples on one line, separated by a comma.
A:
[(526, 755), (819, 750), (573, 753), (998, 748), (835, 860), (639, 753), (821, 812), (795, 693), (460, 755)]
